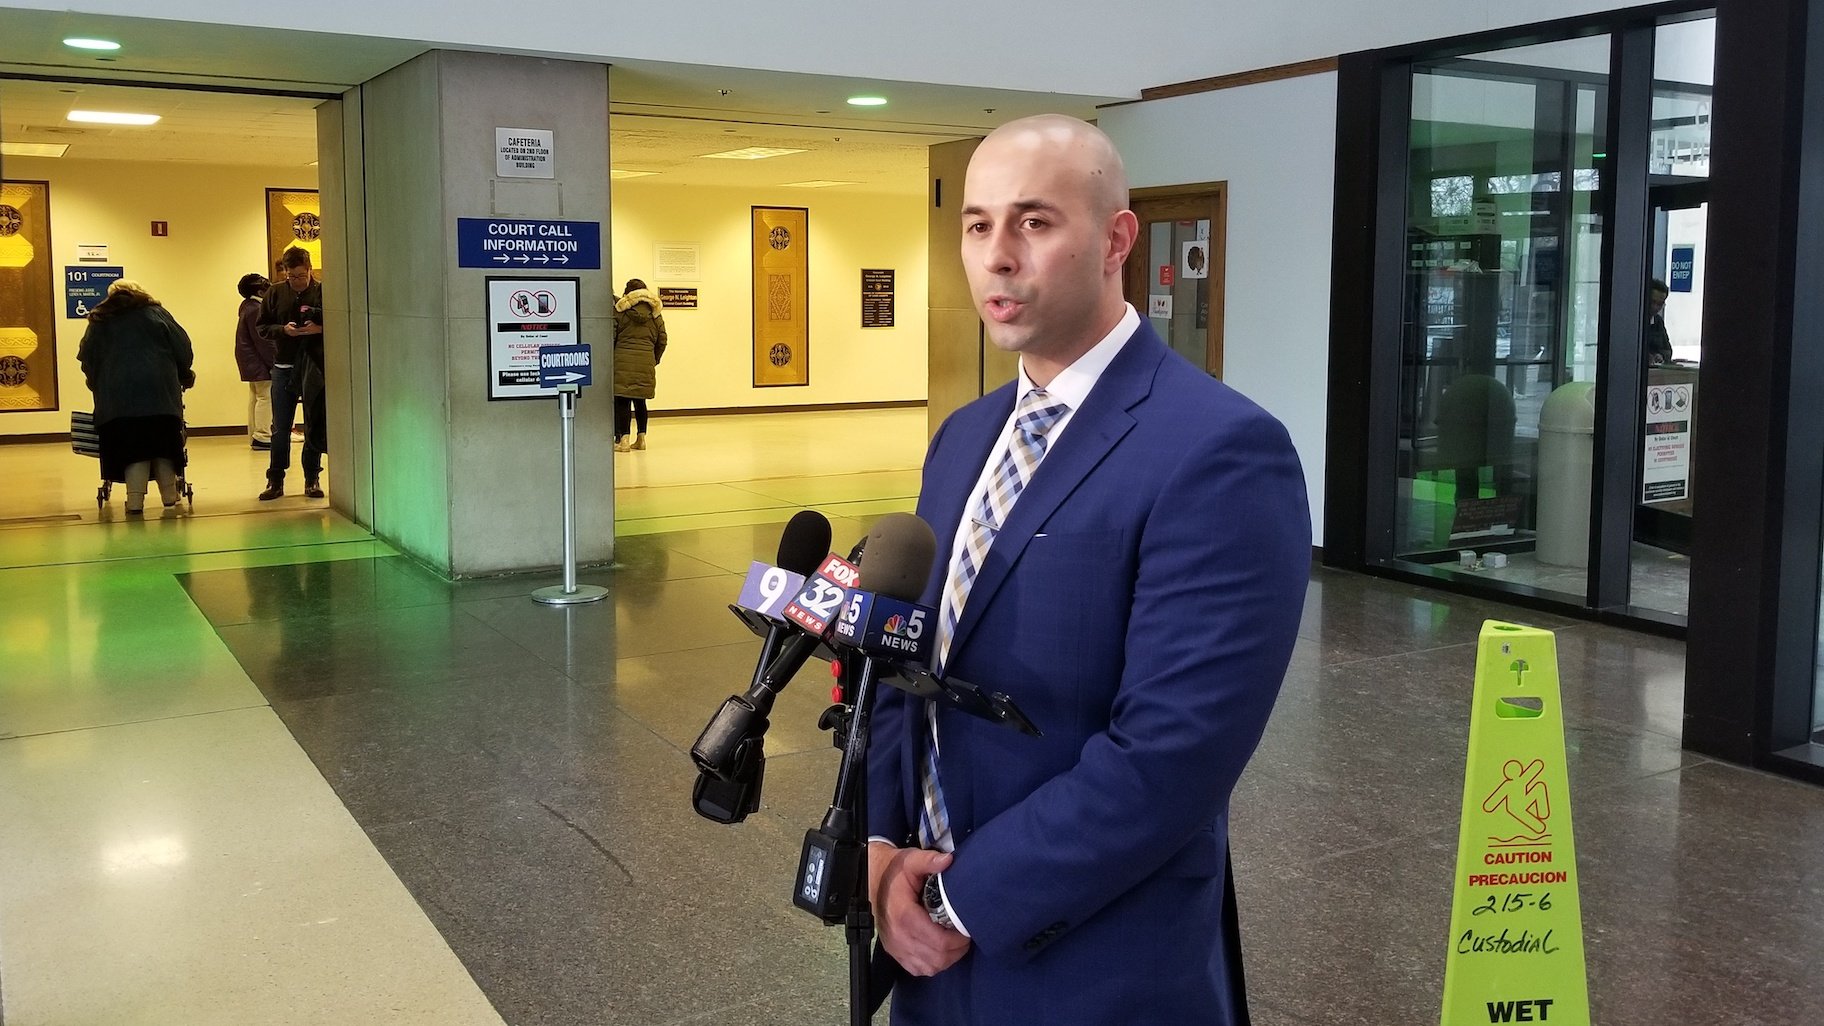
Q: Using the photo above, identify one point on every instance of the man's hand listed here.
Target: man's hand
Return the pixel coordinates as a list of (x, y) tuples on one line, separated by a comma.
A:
[(292, 329), (896, 880)]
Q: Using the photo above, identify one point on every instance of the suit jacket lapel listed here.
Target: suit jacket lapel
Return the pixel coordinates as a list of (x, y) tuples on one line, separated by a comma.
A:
[(1093, 431)]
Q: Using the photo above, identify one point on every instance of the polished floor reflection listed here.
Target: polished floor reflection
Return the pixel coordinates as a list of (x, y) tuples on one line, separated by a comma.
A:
[(264, 769)]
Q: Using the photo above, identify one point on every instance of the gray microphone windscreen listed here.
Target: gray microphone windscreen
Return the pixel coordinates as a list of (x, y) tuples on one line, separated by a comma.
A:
[(804, 543), (898, 557)]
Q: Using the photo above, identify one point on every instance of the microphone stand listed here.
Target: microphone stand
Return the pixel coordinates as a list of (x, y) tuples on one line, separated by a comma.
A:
[(833, 870)]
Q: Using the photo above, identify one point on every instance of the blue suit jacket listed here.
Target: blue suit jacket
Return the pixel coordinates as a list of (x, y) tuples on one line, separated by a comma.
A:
[(1140, 605)]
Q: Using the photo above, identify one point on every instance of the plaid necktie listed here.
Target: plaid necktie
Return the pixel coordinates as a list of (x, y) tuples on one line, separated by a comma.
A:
[(1036, 416)]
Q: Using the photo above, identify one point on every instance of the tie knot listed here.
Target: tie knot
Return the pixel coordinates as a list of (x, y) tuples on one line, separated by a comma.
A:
[(1038, 413)]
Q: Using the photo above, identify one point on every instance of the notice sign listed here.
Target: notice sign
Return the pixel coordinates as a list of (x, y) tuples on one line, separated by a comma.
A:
[(92, 252), (876, 298), (83, 287), (523, 153), (1666, 471), (1684, 266), (678, 299), (1516, 923), (524, 316)]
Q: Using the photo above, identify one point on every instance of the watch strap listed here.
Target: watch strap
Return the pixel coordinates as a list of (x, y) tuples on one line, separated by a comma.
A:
[(934, 903)]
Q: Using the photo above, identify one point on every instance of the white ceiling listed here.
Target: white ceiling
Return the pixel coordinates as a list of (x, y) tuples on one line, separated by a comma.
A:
[(194, 53), (665, 115), (195, 127), (674, 147)]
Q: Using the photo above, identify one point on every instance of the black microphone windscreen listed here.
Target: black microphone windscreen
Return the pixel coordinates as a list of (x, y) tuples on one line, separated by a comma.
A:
[(900, 550), (804, 544)]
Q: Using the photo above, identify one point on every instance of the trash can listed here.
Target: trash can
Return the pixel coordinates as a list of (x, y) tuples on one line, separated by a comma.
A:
[(1567, 440)]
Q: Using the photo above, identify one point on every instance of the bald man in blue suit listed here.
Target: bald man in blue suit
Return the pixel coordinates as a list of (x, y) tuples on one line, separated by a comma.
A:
[(1124, 544)]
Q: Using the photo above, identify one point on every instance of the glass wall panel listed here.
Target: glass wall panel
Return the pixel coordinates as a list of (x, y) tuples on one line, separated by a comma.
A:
[(1678, 168), (1817, 693), (1502, 299)]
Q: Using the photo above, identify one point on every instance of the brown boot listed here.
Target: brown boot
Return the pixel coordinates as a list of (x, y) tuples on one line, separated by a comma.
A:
[(639, 441), (274, 489)]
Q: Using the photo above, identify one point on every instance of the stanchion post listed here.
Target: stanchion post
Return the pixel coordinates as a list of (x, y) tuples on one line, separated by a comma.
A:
[(569, 593)]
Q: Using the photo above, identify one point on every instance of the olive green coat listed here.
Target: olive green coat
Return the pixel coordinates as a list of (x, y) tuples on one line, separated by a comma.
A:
[(639, 344)]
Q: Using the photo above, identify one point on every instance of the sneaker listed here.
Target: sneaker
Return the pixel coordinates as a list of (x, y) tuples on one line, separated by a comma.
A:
[(273, 490), (640, 441), (262, 446), (312, 490), (623, 445)]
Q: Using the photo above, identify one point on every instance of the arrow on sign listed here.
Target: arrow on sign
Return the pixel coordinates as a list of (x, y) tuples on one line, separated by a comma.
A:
[(503, 258), (524, 259), (543, 259), (570, 376), (563, 259)]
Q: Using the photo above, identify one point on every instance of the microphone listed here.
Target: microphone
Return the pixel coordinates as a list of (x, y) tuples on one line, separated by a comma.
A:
[(729, 753), (900, 552), (801, 549)]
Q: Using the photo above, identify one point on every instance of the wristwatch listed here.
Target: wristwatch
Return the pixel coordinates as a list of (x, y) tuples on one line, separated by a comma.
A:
[(934, 903)]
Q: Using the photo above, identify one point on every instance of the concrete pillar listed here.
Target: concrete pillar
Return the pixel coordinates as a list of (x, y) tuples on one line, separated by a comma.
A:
[(467, 485), (963, 364), (339, 163)]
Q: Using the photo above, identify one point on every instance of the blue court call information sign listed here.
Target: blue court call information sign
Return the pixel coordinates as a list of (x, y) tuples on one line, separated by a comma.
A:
[(85, 286), (561, 366), (515, 244)]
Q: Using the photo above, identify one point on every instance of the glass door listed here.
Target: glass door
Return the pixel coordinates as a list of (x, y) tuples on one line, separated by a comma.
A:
[(1678, 176), (1502, 296)]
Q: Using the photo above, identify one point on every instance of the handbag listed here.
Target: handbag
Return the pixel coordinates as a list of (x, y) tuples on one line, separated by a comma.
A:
[(83, 437)]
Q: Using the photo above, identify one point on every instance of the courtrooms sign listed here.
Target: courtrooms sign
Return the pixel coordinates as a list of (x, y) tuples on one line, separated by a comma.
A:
[(1516, 926)]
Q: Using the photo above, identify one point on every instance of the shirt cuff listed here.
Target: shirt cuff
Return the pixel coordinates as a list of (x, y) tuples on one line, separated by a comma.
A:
[(956, 921)]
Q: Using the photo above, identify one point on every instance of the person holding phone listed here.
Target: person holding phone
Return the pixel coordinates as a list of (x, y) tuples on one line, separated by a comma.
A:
[(291, 317)]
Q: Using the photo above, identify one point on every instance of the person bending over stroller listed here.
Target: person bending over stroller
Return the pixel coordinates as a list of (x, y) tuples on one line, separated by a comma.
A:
[(137, 361)]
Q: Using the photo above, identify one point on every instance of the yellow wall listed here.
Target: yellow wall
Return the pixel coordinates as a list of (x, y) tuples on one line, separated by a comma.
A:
[(709, 364), (217, 216)]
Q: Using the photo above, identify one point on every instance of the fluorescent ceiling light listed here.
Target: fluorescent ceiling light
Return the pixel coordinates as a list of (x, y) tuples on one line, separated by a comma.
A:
[(109, 117), (816, 183), (751, 153), (85, 43), (867, 101), (19, 149), (616, 172)]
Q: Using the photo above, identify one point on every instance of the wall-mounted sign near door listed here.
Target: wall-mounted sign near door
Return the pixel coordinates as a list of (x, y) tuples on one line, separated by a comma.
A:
[(876, 298), (677, 299)]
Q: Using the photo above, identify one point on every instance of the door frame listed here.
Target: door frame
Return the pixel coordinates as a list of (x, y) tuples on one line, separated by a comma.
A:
[(1169, 203)]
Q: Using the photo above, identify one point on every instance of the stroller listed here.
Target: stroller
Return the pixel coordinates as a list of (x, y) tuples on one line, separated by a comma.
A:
[(86, 441)]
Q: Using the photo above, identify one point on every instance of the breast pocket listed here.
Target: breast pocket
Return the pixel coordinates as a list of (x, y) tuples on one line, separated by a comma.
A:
[(1075, 594)]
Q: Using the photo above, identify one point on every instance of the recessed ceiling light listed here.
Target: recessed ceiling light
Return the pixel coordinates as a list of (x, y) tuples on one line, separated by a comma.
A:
[(86, 43), (109, 117), (751, 153), (867, 101), (816, 183), (617, 172), (21, 149)]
